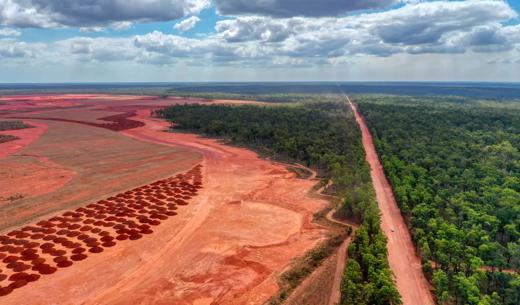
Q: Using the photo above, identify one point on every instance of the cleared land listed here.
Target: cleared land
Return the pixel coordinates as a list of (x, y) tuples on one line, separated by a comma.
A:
[(249, 220), (58, 242)]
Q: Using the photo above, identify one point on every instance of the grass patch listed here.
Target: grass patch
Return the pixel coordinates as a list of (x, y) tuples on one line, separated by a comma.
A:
[(13, 125), (304, 266), (6, 138)]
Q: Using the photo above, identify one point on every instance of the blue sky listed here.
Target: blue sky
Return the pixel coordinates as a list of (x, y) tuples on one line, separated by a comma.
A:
[(237, 40)]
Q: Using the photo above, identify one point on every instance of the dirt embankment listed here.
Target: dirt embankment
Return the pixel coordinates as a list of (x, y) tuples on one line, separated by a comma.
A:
[(404, 262)]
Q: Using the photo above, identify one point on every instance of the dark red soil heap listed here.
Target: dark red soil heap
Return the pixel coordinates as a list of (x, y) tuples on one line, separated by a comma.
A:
[(116, 122), (18, 276), (18, 284), (78, 257), (32, 277), (64, 264), (38, 261), (96, 250), (73, 236), (21, 267), (45, 269), (5, 290)]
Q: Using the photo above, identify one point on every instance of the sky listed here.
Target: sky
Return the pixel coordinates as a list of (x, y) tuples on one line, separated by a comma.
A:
[(259, 40)]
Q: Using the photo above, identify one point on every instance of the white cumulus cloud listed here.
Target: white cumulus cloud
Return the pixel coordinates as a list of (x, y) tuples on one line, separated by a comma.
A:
[(187, 24), (10, 32)]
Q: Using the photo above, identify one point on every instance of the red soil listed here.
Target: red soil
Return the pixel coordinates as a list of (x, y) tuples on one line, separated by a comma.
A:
[(49, 175), (34, 171), (168, 244), (49, 258), (25, 137), (404, 262), (52, 98), (118, 122)]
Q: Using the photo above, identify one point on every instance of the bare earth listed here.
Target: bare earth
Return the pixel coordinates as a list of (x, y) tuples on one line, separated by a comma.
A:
[(405, 264), (25, 137), (227, 246)]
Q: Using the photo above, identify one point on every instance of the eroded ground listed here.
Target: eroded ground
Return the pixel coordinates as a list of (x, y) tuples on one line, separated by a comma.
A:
[(89, 168)]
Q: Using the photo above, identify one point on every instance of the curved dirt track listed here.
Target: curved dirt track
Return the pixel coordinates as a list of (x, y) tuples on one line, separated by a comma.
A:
[(228, 246), (405, 264), (326, 274)]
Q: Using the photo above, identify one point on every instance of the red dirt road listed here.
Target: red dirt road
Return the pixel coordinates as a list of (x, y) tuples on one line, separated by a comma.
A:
[(405, 264)]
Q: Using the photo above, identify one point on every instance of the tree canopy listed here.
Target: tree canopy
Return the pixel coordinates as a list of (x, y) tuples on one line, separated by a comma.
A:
[(455, 171)]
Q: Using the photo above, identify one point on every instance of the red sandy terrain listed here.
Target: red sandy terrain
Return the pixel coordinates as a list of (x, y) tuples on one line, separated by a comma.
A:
[(58, 242), (48, 175), (227, 246), (404, 262), (25, 137), (51, 98)]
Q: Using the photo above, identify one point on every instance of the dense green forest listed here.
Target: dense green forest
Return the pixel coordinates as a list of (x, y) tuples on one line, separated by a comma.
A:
[(454, 166), (368, 278), (324, 136)]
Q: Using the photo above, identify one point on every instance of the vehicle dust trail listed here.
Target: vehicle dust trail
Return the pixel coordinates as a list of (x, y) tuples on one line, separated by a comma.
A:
[(405, 264)]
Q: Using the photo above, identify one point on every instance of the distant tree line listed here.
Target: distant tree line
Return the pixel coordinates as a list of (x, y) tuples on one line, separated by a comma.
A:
[(324, 136), (455, 171), (263, 97)]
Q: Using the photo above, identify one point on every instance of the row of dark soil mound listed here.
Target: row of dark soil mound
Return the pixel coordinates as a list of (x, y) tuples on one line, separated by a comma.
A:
[(31, 252)]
